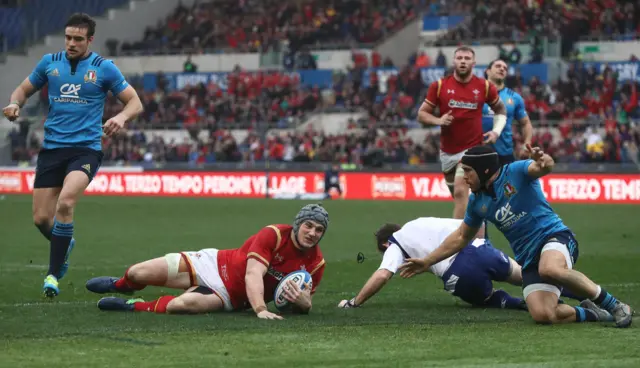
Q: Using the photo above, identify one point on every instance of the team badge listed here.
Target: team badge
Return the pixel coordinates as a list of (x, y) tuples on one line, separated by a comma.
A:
[(90, 77), (483, 209), (509, 190), (510, 101)]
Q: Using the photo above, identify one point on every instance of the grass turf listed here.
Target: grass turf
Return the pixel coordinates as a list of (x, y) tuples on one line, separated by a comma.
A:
[(411, 323)]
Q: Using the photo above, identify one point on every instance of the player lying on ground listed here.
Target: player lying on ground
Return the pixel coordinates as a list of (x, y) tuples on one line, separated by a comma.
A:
[(511, 198), (79, 81), (469, 274), (232, 279), (514, 104), (460, 99)]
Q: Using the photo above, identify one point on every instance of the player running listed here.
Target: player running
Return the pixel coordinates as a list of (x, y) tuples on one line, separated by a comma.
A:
[(511, 198), (231, 279), (79, 81), (496, 73), (460, 98), (469, 274)]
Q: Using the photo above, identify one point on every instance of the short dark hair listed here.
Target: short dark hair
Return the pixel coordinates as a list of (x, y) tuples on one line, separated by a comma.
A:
[(82, 20), (384, 233), (465, 49), (486, 76)]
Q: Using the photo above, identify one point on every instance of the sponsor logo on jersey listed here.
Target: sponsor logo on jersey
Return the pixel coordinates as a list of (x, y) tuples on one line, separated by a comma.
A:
[(506, 218), (454, 104), (69, 93), (388, 187), (275, 274), (54, 73), (87, 168)]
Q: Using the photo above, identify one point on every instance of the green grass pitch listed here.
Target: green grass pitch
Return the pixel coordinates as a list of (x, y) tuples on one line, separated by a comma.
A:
[(411, 323)]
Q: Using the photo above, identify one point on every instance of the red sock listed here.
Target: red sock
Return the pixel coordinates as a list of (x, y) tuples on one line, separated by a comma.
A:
[(156, 306), (126, 284)]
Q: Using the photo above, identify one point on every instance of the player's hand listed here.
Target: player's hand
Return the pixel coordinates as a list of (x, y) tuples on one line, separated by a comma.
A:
[(113, 125), (490, 137), (12, 111), (301, 298), (446, 119), (346, 304), (265, 314), (536, 154), (412, 267)]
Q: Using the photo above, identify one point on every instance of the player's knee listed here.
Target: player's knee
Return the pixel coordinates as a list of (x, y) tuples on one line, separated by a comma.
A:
[(177, 306), (543, 315), (184, 305), (138, 274), (65, 206)]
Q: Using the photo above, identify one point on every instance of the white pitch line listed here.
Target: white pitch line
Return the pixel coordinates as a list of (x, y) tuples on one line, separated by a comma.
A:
[(40, 304)]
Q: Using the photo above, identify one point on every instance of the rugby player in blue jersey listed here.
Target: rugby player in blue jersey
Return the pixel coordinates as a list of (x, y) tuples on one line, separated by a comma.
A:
[(79, 81), (511, 197), (496, 73)]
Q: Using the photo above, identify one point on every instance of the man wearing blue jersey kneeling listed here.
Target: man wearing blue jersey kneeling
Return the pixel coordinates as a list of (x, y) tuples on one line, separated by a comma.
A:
[(511, 197), (79, 81)]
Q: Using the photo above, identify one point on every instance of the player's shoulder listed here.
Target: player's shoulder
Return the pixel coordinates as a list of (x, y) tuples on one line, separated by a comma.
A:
[(53, 57), (98, 61)]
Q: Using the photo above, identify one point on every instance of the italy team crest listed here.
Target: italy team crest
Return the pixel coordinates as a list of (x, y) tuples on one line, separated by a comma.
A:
[(90, 77), (509, 190)]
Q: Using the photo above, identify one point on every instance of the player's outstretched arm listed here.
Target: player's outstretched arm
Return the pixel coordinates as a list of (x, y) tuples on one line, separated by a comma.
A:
[(542, 163), (375, 283), (450, 246), (255, 289), (18, 98)]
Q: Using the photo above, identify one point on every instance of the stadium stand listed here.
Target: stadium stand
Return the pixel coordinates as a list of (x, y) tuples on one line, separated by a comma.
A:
[(587, 114)]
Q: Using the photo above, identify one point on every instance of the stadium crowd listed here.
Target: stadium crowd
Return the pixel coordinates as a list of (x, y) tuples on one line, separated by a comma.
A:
[(260, 25)]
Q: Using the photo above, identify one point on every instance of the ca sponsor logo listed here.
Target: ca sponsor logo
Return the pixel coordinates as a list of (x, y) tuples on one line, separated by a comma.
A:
[(505, 217), (70, 90)]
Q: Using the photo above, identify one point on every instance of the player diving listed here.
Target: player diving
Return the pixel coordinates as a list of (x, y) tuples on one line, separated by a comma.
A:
[(468, 275), (511, 198), (78, 83), (230, 279)]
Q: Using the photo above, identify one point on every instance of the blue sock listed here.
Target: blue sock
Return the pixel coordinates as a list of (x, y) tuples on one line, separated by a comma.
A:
[(502, 299), (60, 238), (585, 315), (605, 300)]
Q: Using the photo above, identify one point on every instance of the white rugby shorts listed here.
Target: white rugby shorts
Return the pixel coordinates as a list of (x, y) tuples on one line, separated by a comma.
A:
[(203, 271), (450, 161)]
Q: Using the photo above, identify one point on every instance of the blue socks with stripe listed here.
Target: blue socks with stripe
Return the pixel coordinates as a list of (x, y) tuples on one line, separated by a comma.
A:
[(585, 315), (605, 300), (60, 238)]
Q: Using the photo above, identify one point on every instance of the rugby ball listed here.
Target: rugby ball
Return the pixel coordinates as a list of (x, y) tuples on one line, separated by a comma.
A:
[(300, 278)]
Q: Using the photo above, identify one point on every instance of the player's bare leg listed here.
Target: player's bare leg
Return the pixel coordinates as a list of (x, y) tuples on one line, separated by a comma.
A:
[(544, 308), (169, 271), (553, 267), (45, 201), (62, 233), (196, 300), (460, 194)]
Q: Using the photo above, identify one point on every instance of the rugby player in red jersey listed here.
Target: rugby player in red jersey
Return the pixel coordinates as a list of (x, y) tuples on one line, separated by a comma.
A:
[(231, 279), (460, 98)]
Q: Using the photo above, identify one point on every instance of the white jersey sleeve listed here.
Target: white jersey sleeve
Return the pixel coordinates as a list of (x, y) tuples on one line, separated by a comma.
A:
[(392, 259)]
